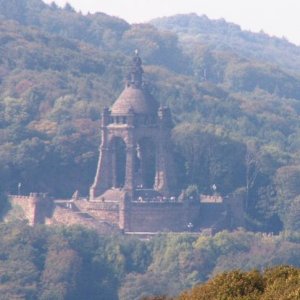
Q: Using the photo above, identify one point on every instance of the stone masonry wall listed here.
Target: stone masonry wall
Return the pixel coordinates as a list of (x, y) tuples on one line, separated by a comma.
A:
[(67, 217), (105, 211), (126, 215), (160, 217)]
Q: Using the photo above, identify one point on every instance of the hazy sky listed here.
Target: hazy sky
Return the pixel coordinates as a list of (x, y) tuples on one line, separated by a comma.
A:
[(275, 17)]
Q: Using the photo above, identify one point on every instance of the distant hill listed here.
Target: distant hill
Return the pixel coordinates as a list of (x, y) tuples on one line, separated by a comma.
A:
[(219, 35), (103, 31), (94, 29)]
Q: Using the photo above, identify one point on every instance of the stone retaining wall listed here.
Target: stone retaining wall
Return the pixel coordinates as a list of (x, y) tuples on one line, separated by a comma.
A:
[(160, 217), (104, 211)]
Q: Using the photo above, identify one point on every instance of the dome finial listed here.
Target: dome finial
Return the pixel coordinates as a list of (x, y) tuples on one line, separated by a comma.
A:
[(135, 76)]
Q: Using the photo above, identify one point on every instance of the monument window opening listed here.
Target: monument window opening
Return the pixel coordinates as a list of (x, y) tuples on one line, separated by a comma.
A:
[(145, 165), (118, 147)]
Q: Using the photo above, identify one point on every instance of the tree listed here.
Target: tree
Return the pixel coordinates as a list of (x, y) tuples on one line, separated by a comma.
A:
[(253, 167), (62, 269), (68, 7), (231, 285), (292, 217), (280, 282)]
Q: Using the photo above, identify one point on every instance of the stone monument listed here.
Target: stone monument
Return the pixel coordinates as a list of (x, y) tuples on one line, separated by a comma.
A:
[(135, 152)]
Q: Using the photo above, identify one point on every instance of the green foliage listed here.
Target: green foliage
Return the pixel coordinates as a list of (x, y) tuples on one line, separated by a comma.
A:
[(181, 261), (286, 180), (158, 47), (275, 283), (292, 217), (50, 118), (281, 283), (156, 298), (39, 263), (228, 38), (77, 263), (4, 204), (204, 154), (231, 285)]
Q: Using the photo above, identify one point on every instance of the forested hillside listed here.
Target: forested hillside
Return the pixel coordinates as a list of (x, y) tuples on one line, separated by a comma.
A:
[(221, 36), (274, 283), (234, 95), (75, 263)]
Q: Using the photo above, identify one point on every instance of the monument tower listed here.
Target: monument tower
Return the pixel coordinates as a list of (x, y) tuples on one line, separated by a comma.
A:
[(135, 151)]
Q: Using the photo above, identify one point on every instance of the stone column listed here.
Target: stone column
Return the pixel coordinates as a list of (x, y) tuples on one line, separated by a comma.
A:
[(102, 180)]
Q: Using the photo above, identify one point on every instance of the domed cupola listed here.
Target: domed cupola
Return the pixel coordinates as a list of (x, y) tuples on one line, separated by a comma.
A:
[(135, 97)]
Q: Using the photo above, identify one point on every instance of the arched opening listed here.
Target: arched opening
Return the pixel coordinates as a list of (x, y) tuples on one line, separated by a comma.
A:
[(118, 152), (145, 163)]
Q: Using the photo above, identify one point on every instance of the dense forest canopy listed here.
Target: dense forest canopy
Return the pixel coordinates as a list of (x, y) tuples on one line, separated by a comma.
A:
[(275, 283), (234, 95), (220, 35), (75, 263)]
